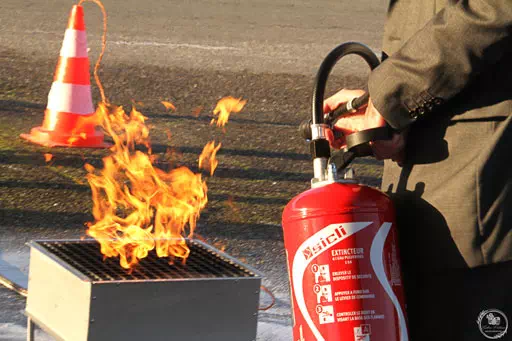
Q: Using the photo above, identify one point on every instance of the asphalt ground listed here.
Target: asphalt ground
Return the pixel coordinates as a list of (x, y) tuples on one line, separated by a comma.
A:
[(192, 54)]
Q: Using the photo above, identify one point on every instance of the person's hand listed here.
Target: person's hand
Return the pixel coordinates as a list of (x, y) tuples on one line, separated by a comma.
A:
[(365, 118)]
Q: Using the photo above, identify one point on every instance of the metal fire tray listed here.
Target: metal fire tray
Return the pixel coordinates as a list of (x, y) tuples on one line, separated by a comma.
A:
[(75, 295)]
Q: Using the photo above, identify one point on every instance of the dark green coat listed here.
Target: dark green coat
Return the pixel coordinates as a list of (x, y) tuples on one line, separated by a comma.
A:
[(448, 82)]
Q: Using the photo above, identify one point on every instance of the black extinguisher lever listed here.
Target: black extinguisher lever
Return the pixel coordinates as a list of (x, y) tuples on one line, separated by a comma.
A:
[(358, 145)]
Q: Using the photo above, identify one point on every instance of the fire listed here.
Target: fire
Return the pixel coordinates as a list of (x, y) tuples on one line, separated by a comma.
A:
[(225, 107), (169, 105), (235, 210), (169, 134), (209, 153), (231, 204), (138, 207), (82, 124), (197, 111), (47, 157)]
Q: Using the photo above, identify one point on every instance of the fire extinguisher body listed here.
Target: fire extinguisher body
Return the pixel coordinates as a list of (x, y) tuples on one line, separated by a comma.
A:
[(344, 265)]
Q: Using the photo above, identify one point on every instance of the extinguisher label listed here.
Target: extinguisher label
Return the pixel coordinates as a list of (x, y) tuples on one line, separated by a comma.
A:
[(311, 248), (336, 281)]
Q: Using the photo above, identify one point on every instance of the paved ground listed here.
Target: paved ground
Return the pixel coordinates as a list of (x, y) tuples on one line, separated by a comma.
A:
[(191, 53), (263, 35)]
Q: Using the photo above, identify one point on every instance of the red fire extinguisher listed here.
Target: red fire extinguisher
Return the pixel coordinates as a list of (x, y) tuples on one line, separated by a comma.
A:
[(340, 236)]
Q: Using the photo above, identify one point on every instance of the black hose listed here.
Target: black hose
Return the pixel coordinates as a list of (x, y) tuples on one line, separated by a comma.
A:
[(356, 104), (325, 69)]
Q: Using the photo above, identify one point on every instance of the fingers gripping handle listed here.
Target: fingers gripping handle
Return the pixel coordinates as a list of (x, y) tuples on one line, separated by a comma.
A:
[(347, 108), (331, 118)]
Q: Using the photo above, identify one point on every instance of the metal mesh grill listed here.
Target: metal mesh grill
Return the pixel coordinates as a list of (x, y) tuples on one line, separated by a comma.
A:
[(85, 256)]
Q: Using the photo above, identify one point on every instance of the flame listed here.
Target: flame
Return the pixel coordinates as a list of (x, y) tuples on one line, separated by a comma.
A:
[(225, 107), (48, 157), (197, 111), (72, 139), (168, 133), (209, 153), (235, 210), (169, 105), (230, 202), (84, 123), (136, 206), (219, 246)]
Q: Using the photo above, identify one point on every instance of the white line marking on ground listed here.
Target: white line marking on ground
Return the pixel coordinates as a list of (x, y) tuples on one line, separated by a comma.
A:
[(153, 43), (173, 45)]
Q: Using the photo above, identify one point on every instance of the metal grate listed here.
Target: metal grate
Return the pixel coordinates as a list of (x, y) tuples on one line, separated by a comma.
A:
[(85, 256)]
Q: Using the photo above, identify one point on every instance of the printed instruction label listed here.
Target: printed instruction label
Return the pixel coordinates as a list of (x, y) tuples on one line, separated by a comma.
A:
[(358, 315), (325, 279)]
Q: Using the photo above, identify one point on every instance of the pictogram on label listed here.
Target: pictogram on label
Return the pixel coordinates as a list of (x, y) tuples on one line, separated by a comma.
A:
[(325, 314), (322, 273), (323, 293)]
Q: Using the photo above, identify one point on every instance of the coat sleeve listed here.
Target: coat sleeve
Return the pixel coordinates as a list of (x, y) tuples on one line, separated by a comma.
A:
[(460, 42)]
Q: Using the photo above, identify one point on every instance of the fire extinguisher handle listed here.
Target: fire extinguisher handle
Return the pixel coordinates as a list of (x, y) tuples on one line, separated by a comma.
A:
[(363, 137), (358, 145)]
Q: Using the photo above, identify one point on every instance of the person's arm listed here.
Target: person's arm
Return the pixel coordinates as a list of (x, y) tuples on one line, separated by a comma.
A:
[(461, 41)]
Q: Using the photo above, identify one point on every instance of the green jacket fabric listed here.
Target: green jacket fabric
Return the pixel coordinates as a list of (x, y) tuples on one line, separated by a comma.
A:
[(448, 83)]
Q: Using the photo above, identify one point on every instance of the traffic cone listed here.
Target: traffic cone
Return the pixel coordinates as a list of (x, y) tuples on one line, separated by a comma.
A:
[(69, 120)]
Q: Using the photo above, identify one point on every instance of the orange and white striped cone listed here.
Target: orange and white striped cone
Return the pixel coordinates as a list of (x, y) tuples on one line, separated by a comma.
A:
[(69, 120)]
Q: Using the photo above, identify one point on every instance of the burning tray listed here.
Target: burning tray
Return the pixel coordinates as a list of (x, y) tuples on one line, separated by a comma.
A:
[(74, 295)]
